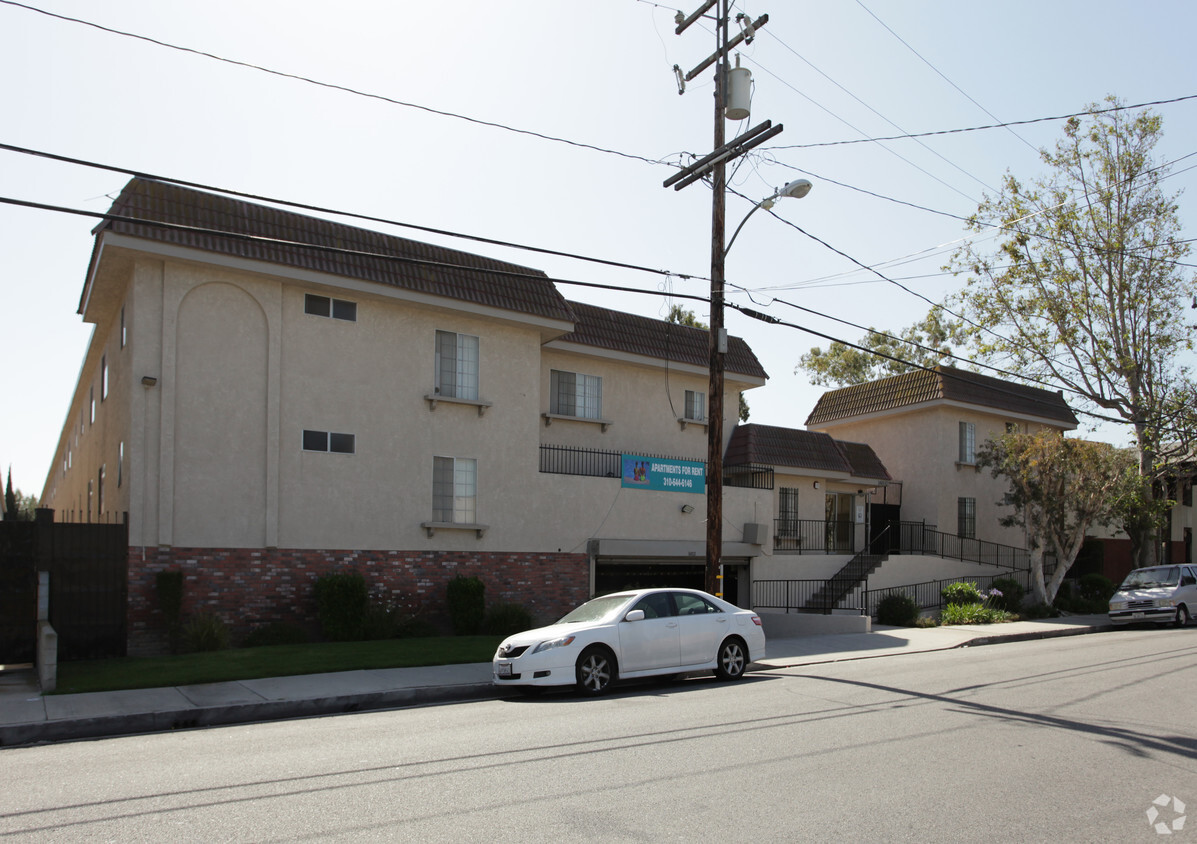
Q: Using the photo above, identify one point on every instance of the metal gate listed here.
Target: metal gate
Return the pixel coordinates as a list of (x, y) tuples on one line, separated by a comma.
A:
[(88, 566)]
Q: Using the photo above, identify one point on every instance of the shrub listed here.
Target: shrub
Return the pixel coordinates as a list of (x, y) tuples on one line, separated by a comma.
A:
[(1012, 594), (467, 605), (277, 633), (1040, 611), (972, 614), (341, 604), (1097, 589), (961, 593), (898, 610), (506, 620), (381, 622), (205, 632)]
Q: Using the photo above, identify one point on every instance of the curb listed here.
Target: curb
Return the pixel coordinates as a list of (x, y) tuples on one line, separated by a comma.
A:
[(1036, 634), (245, 713)]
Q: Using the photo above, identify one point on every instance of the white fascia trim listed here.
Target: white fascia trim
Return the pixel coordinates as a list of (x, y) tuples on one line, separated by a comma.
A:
[(312, 277), (644, 360)]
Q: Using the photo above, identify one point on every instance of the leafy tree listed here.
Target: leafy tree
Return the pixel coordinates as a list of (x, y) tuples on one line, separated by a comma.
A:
[(10, 500), (1059, 489), (18, 507), (926, 343), (680, 316), (1085, 287)]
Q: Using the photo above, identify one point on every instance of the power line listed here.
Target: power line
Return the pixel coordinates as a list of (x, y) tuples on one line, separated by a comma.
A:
[(336, 250), (332, 86), (934, 152), (772, 320), (831, 113), (942, 75), (322, 210), (1003, 125)]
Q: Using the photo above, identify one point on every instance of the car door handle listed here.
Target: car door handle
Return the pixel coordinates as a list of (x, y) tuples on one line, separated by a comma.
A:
[(671, 624)]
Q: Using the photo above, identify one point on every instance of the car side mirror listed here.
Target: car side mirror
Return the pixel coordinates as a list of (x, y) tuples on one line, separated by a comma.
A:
[(634, 615)]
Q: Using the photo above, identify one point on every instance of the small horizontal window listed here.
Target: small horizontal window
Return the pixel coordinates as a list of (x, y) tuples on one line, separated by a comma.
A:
[(327, 307), (328, 441)]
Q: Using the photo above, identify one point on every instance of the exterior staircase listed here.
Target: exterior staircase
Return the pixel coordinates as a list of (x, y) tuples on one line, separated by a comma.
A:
[(843, 582)]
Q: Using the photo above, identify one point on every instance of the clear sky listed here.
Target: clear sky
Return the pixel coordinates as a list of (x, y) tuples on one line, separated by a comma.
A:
[(593, 73)]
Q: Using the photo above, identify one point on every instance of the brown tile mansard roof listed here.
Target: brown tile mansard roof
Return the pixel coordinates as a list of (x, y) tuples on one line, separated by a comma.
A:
[(944, 383), (794, 448), (216, 223), (655, 338), (228, 226)]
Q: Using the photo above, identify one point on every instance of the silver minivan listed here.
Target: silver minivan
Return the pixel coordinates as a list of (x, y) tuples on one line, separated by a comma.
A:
[(1159, 593)]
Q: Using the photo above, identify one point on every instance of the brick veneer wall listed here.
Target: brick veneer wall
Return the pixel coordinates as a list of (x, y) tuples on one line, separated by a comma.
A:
[(249, 587)]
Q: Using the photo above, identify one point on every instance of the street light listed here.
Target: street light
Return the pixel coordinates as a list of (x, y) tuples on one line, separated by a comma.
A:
[(798, 189)]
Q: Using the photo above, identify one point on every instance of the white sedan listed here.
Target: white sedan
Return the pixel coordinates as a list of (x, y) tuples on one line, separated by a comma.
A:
[(644, 633)]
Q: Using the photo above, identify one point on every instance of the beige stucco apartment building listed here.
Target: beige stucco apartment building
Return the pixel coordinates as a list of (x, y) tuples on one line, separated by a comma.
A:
[(270, 396)]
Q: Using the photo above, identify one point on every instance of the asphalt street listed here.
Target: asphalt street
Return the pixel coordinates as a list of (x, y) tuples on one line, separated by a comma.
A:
[(1071, 739)]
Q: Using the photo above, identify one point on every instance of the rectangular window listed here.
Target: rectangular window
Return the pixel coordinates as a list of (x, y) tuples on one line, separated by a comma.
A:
[(328, 441), (456, 365), (120, 465), (454, 490), (124, 334), (91, 400), (966, 518), (696, 406), (571, 394), (103, 377), (327, 307), (787, 511), (1186, 493), (100, 494), (968, 443)]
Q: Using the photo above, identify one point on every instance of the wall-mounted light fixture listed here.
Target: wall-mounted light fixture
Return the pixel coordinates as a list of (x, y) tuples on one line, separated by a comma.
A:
[(687, 508), (816, 484), (148, 380)]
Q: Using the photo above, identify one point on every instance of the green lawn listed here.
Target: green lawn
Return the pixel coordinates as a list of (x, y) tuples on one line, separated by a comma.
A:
[(103, 675)]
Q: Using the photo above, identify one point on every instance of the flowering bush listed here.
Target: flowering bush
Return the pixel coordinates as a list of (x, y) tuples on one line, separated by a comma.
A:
[(961, 593)]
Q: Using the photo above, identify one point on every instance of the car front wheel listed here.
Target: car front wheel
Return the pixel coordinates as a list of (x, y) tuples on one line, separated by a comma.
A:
[(732, 660), (595, 671), (1182, 616)]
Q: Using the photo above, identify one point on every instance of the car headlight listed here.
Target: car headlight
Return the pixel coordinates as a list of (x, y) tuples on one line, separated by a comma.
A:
[(1166, 602), (1117, 605), (553, 643)]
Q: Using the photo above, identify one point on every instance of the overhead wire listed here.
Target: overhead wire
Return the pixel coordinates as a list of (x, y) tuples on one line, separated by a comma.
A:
[(942, 75), (316, 247), (1002, 125), (348, 214), (818, 70), (330, 85)]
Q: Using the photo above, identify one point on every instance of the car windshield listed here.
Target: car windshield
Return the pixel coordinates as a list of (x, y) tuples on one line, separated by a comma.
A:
[(1151, 578), (595, 610)]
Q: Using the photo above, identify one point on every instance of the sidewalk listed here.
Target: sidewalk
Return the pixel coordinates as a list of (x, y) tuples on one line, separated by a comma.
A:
[(28, 717)]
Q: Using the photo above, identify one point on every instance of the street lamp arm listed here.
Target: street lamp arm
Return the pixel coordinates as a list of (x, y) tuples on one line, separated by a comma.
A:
[(797, 189), (727, 248)]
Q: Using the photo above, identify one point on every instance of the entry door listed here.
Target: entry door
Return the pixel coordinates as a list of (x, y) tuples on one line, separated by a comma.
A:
[(839, 521)]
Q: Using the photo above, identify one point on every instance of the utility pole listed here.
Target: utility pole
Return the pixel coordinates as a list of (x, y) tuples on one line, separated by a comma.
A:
[(715, 165)]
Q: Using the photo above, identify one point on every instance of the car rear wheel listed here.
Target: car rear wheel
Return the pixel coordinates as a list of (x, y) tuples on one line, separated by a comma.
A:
[(1182, 616), (595, 671), (732, 660)]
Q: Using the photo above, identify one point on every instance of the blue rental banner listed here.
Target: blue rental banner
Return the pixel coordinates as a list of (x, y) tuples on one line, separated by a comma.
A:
[(664, 475)]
